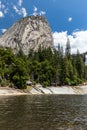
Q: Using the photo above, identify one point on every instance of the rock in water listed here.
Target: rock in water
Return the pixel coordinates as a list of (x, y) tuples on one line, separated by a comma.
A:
[(28, 33)]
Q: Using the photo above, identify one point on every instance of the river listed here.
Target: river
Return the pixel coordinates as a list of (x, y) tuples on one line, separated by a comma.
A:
[(43, 112)]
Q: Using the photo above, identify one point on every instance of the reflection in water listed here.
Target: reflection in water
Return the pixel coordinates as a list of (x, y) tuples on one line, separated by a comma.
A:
[(43, 112)]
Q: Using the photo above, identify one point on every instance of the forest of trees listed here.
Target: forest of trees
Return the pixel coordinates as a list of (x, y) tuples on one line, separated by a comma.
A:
[(47, 67)]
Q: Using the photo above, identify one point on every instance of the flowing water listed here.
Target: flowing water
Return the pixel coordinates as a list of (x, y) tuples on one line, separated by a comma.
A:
[(43, 112)]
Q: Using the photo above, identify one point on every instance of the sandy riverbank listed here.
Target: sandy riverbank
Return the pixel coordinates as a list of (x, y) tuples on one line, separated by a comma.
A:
[(11, 91), (77, 90)]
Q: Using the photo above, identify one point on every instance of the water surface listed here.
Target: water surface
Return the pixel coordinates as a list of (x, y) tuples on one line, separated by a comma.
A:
[(43, 112)]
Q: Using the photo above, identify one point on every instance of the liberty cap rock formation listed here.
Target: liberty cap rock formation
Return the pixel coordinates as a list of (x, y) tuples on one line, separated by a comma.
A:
[(28, 33)]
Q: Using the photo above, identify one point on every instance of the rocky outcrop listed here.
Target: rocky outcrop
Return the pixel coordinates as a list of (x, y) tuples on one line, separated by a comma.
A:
[(28, 33), (78, 90)]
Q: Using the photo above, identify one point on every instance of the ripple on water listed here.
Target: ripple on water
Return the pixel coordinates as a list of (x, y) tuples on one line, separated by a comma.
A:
[(43, 112)]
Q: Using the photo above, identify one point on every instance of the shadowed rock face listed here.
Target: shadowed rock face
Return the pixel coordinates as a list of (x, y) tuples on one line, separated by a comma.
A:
[(28, 33)]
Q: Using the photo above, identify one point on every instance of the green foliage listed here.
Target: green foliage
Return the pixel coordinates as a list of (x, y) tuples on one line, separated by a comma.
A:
[(45, 84), (19, 81), (19, 74), (80, 65), (45, 66), (67, 81), (12, 69)]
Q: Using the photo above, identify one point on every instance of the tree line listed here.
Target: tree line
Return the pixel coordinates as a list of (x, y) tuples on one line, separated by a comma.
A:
[(46, 66)]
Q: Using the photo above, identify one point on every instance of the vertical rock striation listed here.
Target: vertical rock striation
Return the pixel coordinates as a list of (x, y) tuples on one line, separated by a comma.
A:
[(28, 33)]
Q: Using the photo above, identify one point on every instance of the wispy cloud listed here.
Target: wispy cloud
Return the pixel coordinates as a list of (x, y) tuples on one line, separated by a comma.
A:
[(69, 19), (16, 6), (19, 9), (20, 2), (16, 9), (35, 9), (6, 11), (3, 9), (1, 14), (42, 13), (36, 12), (78, 40), (24, 12), (2, 6)]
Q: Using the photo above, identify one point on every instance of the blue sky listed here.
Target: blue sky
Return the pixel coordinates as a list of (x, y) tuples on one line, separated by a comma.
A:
[(67, 18)]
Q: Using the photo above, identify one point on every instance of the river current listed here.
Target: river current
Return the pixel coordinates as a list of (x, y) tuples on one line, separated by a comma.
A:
[(43, 112)]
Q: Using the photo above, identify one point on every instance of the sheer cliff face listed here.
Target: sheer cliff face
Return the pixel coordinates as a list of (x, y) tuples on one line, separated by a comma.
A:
[(28, 33)]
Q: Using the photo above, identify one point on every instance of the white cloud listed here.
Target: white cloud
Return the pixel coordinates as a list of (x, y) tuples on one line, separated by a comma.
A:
[(24, 12), (35, 9), (36, 12), (42, 13), (78, 40), (60, 37), (1, 14), (3, 30), (20, 2), (6, 11), (16, 10), (8, 6), (69, 19), (2, 9), (21, 11), (2, 6)]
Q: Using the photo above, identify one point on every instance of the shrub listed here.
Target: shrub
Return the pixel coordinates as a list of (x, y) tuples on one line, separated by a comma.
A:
[(46, 83), (67, 81), (20, 82)]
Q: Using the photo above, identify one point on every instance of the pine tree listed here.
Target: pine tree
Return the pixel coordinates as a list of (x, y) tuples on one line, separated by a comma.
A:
[(68, 49), (79, 65)]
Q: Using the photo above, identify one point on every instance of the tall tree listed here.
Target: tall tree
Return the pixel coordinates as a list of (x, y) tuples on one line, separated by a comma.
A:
[(68, 49), (80, 65)]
